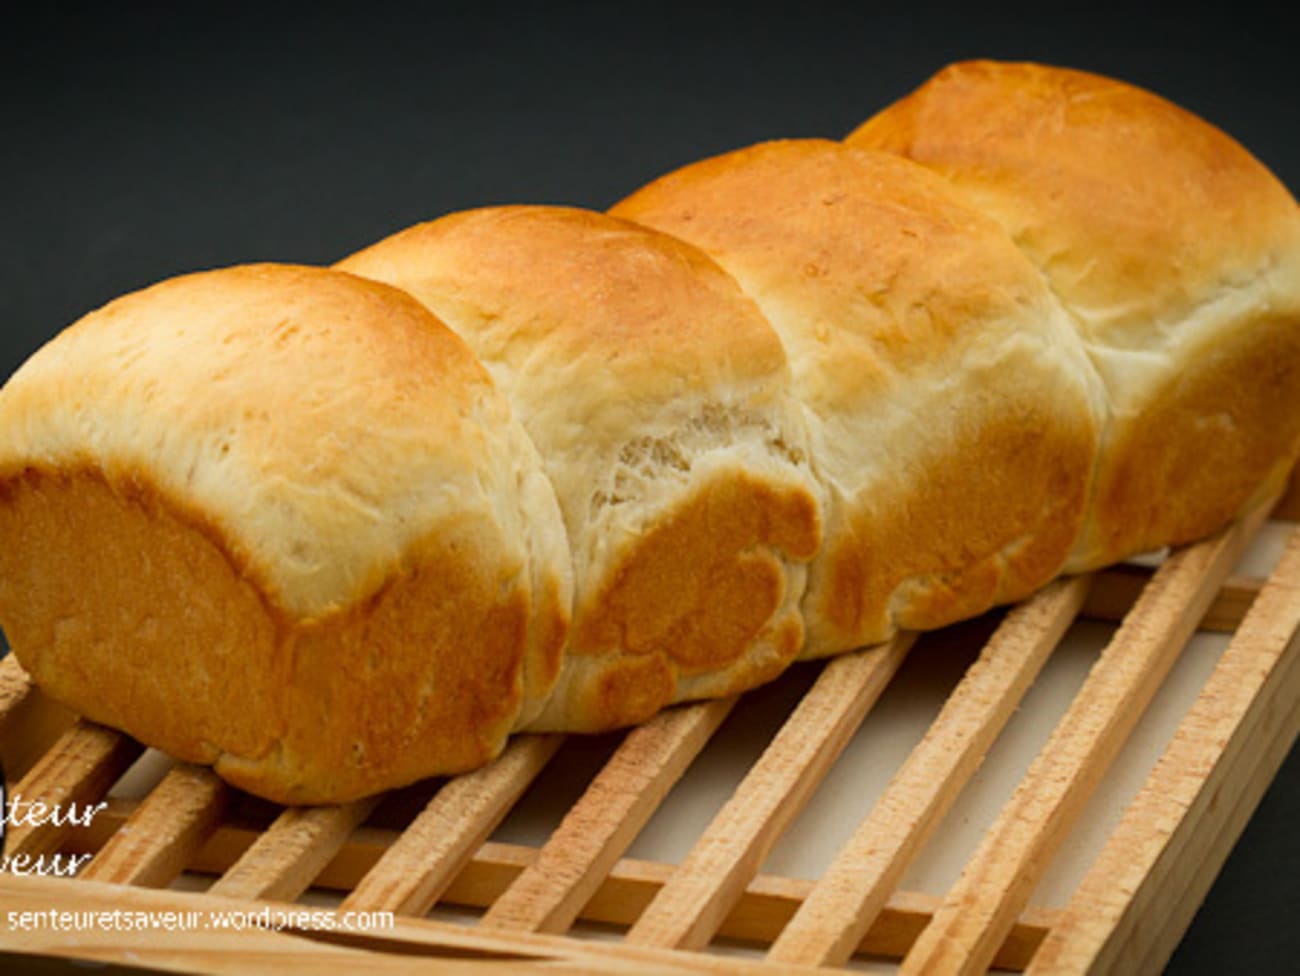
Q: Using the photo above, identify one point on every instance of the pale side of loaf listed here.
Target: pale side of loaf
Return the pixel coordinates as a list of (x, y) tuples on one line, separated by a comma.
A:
[(279, 520), (954, 414), (1177, 255), (660, 401)]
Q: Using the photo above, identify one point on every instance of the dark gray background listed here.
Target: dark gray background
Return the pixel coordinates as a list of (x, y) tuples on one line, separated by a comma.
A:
[(140, 144)]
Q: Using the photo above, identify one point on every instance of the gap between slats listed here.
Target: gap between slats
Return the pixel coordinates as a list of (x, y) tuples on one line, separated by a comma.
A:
[(845, 902), (427, 856), (550, 893), (688, 910), (1156, 848), (1115, 590), (1010, 860)]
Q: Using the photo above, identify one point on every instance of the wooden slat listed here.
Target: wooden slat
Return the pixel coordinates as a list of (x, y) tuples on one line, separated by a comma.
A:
[(16, 688), (78, 770), (161, 836), (1174, 916), (30, 722), (283, 862), (844, 904), (996, 884), (1161, 850), (550, 893), (688, 910), (426, 858), (1115, 590)]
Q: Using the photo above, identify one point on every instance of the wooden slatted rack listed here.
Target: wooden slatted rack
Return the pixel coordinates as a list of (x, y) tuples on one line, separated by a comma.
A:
[(579, 902)]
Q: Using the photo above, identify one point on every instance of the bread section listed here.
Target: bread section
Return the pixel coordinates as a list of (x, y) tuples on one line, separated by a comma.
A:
[(661, 403), (1177, 255), (279, 520)]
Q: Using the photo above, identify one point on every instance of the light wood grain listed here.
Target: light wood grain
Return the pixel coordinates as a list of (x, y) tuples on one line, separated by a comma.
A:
[(762, 911), (30, 722), (16, 688), (997, 882), (1115, 590), (417, 868), (78, 770), (550, 893), (283, 862), (1166, 848), (1172, 912), (855, 888), (689, 909), (160, 837)]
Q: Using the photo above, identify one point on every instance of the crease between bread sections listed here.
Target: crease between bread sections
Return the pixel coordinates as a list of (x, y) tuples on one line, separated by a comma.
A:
[(334, 530)]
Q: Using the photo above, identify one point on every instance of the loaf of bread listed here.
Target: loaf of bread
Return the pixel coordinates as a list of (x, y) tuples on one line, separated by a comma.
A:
[(336, 530)]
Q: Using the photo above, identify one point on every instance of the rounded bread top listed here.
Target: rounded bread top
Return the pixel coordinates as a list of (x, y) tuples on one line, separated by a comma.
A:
[(1137, 210), (320, 422), (616, 316), (872, 268)]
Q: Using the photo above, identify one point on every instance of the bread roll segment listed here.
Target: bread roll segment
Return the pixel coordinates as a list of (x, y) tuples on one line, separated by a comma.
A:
[(1177, 255), (953, 413), (660, 401), (278, 519)]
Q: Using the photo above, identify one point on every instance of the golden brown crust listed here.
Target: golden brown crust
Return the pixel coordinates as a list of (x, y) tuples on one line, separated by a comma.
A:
[(256, 391), (925, 346), (1177, 254), (624, 690), (703, 595), (881, 267), (135, 612), (1115, 191), (513, 280), (659, 399), (202, 542), (279, 519), (703, 581), (87, 566), (1207, 440), (887, 572)]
